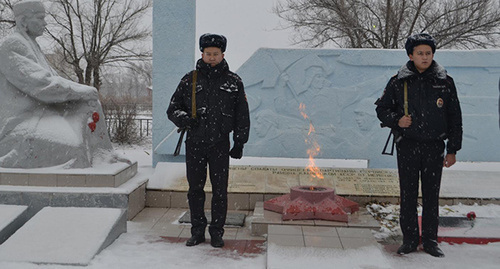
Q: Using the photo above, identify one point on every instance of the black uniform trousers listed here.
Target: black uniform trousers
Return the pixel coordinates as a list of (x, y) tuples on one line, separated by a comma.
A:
[(419, 160), (216, 156)]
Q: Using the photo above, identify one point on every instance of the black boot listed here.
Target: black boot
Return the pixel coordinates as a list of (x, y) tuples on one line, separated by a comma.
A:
[(434, 251), (406, 248), (216, 241), (195, 240)]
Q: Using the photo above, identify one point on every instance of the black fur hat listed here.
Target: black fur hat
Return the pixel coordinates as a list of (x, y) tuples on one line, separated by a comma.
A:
[(213, 40), (419, 39)]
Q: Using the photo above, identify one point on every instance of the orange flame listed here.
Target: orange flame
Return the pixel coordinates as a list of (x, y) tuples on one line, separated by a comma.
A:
[(314, 150)]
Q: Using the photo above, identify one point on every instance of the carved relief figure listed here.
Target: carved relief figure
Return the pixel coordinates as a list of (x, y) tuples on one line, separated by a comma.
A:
[(359, 136), (306, 82), (365, 116), (318, 81), (279, 131)]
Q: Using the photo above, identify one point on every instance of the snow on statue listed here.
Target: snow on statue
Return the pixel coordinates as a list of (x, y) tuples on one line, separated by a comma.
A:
[(45, 119)]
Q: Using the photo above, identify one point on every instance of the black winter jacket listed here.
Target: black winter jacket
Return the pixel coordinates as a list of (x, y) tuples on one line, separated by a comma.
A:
[(432, 103), (221, 104)]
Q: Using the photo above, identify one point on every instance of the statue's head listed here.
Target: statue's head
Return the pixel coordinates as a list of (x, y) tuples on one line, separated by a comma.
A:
[(30, 17), (365, 114)]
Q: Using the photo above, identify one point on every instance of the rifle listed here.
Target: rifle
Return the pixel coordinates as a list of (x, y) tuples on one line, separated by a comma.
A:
[(179, 143), (395, 134), (193, 115)]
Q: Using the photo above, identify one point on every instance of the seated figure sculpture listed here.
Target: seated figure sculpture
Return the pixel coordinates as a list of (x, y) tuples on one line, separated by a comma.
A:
[(45, 119)]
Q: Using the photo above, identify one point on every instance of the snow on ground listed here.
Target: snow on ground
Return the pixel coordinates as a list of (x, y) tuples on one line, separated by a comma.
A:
[(457, 257), (82, 230), (388, 215), (134, 250), (139, 250)]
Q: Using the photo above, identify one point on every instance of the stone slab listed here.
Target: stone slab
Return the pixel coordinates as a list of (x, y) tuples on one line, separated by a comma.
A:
[(113, 175), (71, 236), (12, 217), (279, 180), (338, 88), (262, 218), (232, 219), (456, 186), (463, 230), (130, 196), (466, 184)]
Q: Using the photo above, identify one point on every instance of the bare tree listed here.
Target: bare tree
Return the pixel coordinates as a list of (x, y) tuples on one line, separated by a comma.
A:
[(6, 19), (131, 82), (98, 33), (120, 117), (387, 23)]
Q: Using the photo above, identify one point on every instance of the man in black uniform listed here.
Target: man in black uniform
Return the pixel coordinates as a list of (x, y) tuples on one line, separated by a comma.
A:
[(421, 106), (220, 107)]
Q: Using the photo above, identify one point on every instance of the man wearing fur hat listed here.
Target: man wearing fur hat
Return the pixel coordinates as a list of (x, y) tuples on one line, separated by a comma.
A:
[(210, 103), (420, 105)]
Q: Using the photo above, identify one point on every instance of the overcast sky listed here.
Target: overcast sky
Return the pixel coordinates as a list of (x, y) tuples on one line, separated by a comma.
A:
[(247, 24)]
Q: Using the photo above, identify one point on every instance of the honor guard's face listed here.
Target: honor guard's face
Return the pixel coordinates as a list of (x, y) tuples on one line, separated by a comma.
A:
[(422, 57), (212, 56), (36, 24)]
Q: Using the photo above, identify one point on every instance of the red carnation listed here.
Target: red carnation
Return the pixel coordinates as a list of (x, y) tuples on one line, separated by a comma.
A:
[(92, 126), (95, 117), (471, 215)]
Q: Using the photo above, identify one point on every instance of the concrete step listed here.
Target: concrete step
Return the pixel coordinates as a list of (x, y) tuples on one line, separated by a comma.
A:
[(112, 175), (12, 217), (69, 235), (262, 219), (472, 231), (251, 183), (130, 196)]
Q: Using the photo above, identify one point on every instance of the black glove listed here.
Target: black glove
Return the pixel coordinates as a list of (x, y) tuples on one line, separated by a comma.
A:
[(237, 151), (189, 123)]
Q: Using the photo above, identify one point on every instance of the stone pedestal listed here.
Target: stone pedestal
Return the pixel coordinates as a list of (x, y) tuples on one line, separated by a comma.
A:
[(105, 197), (114, 187), (113, 175)]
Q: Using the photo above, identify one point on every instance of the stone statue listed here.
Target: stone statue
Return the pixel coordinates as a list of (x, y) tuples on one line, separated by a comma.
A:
[(45, 119)]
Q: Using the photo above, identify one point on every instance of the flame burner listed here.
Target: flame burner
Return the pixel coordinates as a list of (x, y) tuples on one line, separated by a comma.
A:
[(312, 202)]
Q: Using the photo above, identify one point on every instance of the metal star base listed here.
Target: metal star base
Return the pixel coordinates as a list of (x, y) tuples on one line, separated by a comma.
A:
[(312, 202)]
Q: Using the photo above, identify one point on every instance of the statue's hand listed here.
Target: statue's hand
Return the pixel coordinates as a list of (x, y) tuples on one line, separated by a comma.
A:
[(93, 104)]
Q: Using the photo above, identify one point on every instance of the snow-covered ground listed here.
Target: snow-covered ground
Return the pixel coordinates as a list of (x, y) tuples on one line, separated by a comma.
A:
[(139, 250)]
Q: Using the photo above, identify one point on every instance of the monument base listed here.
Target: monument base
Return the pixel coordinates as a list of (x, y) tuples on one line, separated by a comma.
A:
[(312, 202), (262, 219), (123, 195), (109, 175)]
